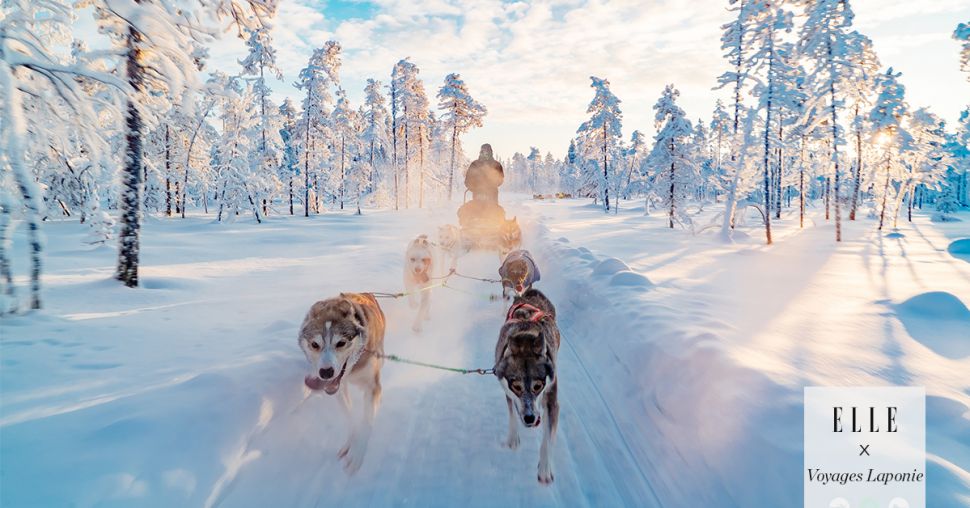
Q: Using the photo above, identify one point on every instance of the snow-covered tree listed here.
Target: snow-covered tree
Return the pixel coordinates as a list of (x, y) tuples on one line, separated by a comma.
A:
[(962, 34), (859, 92), (290, 162), (887, 118), (260, 60), (771, 57), (670, 158), (599, 137), (461, 113), (825, 40), (344, 121), (928, 159), (376, 135), (315, 135), (36, 85)]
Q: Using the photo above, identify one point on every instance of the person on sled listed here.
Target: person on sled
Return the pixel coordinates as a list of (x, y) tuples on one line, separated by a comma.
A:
[(484, 176)]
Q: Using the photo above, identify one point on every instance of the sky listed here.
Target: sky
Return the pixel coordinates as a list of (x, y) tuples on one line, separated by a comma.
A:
[(530, 62)]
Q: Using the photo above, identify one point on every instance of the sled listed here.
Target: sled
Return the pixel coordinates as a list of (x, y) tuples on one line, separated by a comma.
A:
[(481, 225)]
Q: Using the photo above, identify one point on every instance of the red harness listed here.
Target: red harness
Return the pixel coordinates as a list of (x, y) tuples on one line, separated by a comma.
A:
[(537, 313)]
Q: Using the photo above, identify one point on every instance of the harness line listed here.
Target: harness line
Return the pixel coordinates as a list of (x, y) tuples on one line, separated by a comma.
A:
[(395, 358)]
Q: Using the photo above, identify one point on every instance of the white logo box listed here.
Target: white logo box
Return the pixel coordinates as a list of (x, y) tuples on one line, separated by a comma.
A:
[(876, 459)]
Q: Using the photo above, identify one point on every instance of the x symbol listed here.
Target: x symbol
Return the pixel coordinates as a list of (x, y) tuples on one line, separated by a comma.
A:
[(865, 450)]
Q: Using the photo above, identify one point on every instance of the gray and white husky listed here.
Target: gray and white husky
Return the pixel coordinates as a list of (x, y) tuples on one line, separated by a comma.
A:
[(343, 337), (525, 365)]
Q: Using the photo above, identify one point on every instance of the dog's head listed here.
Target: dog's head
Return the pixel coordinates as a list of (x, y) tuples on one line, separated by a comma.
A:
[(517, 272), (332, 337), (418, 258), (511, 233), (447, 235), (525, 372)]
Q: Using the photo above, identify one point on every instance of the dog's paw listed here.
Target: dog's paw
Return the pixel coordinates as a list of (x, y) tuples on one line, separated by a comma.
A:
[(545, 474), (511, 442), (417, 326), (353, 458)]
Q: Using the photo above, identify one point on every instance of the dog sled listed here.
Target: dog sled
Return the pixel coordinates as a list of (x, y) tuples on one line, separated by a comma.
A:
[(481, 224)]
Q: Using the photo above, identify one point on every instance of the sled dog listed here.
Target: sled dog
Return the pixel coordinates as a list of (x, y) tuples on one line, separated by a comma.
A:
[(510, 236), (418, 270), (343, 340), (449, 243), (525, 365), (518, 272)]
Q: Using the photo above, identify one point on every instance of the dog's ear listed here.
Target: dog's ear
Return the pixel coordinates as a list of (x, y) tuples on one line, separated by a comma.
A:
[(357, 315)]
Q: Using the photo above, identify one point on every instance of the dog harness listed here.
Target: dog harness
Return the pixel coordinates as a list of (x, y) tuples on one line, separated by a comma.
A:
[(537, 313), (520, 254)]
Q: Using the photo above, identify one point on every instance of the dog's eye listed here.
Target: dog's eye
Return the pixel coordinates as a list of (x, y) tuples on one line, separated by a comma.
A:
[(341, 343), (314, 346), (517, 386), (537, 386)]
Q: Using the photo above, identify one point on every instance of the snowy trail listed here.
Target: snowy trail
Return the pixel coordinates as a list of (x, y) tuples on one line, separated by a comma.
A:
[(204, 406), (681, 364)]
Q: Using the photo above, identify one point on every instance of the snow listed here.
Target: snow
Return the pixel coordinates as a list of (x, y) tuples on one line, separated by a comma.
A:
[(681, 368)]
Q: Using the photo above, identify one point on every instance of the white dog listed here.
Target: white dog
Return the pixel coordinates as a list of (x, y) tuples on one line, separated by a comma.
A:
[(449, 242), (418, 269)]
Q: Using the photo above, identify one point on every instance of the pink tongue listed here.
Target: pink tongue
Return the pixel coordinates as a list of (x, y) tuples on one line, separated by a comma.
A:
[(315, 383)]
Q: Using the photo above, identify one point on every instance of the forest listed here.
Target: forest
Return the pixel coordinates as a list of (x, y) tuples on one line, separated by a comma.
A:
[(809, 113)]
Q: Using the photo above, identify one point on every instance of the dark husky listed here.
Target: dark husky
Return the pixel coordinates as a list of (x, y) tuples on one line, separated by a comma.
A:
[(525, 364), (519, 272)]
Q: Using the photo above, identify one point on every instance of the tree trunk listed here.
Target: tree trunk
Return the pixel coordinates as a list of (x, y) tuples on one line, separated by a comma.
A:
[(291, 195), (606, 178), (835, 144), (342, 171), (672, 175), (857, 178), (767, 153), (132, 174), (885, 192), (25, 185), (454, 144), (168, 168), (397, 200)]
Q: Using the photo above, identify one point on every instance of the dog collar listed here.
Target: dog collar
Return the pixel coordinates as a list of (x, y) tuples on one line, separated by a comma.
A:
[(537, 313)]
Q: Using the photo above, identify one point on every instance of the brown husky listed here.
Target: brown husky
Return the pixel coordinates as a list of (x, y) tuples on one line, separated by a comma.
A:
[(345, 336), (510, 237), (525, 365)]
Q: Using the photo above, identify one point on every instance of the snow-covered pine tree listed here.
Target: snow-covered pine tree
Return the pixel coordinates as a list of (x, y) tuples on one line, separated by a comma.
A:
[(344, 121), (887, 117), (859, 92), (768, 22), (824, 39), (670, 152), (928, 160), (376, 135), (289, 165), (962, 34), (260, 60), (635, 178), (534, 163), (461, 114), (237, 154), (410, 102), (321, 72), (599, 137)]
